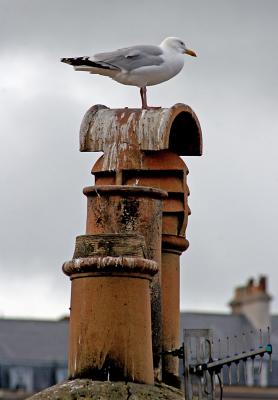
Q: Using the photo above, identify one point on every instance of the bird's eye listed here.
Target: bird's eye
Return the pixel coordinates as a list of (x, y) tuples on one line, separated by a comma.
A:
[(182, 43)]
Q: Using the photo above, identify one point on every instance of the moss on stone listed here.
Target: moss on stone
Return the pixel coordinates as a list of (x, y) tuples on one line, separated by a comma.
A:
[(87, 389)]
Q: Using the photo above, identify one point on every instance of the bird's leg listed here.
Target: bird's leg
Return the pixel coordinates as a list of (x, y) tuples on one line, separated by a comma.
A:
[(142, 96), (143, 93)]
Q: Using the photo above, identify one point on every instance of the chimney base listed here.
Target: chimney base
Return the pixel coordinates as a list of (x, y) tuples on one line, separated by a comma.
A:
[(86, 388)]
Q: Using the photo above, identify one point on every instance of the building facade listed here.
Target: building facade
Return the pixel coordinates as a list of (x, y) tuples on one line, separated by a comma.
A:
[(33, 354)]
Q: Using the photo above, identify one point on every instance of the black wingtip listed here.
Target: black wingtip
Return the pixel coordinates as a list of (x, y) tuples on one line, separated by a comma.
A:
[(78, 61), (66, 60), (86, 62)]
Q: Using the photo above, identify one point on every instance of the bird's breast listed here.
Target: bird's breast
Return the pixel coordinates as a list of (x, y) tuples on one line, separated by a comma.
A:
[(151, 74)]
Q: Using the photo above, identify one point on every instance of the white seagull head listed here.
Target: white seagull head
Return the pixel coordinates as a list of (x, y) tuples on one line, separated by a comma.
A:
[(176, 45)]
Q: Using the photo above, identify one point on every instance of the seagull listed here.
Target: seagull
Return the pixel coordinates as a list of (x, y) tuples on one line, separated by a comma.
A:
[(141, 66)]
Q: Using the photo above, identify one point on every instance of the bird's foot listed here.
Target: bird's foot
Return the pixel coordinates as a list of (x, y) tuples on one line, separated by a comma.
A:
[(151, 107)]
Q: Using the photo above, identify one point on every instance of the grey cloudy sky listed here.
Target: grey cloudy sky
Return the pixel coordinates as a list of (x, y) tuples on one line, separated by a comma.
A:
[(233, 88)]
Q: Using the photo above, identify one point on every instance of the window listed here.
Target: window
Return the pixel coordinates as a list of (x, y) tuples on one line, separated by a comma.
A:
[(21, 378)]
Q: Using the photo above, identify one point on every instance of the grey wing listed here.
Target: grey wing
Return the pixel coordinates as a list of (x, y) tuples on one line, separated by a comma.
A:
[(131, 58)]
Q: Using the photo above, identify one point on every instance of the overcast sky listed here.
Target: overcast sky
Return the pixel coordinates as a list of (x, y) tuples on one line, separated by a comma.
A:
[(233, 88)]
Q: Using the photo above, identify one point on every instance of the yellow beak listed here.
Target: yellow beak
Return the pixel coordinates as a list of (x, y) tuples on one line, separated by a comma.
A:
[(190, 53)]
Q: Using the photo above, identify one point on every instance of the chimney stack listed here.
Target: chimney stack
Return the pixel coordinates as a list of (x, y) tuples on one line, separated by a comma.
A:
[(253, 301), (143, 148)]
